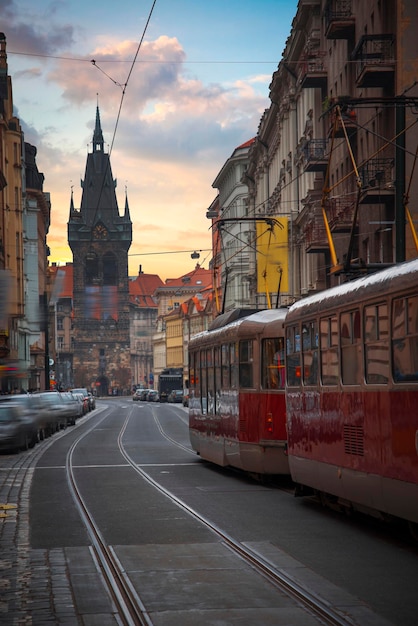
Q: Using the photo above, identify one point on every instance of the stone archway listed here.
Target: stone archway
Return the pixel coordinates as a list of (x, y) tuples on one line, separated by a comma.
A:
[(102, 386)]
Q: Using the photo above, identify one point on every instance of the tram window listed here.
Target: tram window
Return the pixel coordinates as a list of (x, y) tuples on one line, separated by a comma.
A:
[(310, 353), (405, 339), (329, 350), (376, 343), (210, 382), (351, 365), (225, 366), (204, 382), (293, 356), (217, 362), (272, 363), (234, 361), (246, 363)]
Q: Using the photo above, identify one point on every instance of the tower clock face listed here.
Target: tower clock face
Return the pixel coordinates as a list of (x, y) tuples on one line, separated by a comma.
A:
[(100, 232)]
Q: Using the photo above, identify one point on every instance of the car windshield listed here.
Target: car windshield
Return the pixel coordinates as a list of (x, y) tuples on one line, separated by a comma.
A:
[(7, 413), (53, 399)]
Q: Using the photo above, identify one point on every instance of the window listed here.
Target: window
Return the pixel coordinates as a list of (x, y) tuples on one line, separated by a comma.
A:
[(60, 323), (233, 360), (351, 365), (203, 381), (272, 363), (405, 339), (225, 367), (210, 382), (376, 343), (217, 363), (246, 363), (293, 356), (329, 350), (110, 269), (310, 352)]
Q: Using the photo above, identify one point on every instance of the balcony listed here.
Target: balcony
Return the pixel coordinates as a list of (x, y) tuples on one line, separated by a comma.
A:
[(340, 213), (375, 56), (315, 155), (339, 19), (337, 122), (377, 180), (314, 234), (312, 71)]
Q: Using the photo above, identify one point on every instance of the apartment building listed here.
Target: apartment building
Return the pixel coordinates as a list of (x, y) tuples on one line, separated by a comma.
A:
[(335, 151), (24, 222)]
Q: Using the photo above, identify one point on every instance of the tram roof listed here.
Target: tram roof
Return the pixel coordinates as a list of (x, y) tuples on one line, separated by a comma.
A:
[(380, 283), (252, 323)]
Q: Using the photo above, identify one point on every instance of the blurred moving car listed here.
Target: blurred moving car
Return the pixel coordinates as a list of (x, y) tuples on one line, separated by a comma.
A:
[(18, 431), (53, 409), (175, 396), (31, 410)]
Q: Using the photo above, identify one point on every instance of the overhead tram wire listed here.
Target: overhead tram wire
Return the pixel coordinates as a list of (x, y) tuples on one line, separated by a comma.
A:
[(123, 87)]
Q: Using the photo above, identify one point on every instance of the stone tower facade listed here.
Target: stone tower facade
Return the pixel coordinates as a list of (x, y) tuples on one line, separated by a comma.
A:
[(100, 238)]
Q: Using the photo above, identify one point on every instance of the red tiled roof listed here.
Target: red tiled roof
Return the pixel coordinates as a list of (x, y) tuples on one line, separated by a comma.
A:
[(246, 144), (197, 278), (141, 289), (63, 280)]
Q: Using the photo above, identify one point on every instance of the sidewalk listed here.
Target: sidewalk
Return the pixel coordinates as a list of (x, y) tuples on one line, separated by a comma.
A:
[(34, 586)]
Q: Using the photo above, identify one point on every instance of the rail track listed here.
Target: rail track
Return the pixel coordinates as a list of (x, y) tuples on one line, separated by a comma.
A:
[(129, 607)]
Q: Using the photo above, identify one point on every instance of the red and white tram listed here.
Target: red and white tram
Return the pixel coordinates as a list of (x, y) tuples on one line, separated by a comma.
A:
[(237, 413), (352, 393)]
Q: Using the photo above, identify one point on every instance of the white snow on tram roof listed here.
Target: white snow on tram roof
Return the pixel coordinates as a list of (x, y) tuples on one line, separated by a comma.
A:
[(371, 280), (264, 316)]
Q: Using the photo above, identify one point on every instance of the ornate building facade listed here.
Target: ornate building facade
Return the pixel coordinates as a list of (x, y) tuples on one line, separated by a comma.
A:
[(100, 238), (335, 151)]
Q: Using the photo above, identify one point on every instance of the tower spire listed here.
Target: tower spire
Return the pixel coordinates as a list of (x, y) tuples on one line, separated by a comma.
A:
[(127, 213), (72, 210), (98, 135)]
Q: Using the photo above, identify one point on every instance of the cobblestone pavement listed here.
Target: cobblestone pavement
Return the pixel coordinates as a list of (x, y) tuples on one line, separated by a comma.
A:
[(34, 584)]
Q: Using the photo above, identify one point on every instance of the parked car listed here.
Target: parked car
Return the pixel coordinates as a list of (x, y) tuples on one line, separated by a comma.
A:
[(137, 395), (18, 431), (142, 393), (85, 394), (152, 396), (73, 405), (175, 396)]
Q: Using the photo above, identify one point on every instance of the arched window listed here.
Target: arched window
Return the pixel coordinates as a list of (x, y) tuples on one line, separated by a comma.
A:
[(91, 268), (110, 269)]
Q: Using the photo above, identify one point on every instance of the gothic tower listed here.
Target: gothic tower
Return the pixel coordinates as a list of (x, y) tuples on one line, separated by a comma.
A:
[(100, 239)]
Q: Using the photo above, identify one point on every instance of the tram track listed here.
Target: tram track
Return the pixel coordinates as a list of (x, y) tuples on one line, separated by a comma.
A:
[(315, 605), (128, 605)]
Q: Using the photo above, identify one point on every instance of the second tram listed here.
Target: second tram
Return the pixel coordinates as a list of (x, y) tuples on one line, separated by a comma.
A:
[(237, 413), (352, 393)]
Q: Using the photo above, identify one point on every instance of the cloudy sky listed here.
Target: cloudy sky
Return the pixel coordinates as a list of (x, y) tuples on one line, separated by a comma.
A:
[(171, 116)]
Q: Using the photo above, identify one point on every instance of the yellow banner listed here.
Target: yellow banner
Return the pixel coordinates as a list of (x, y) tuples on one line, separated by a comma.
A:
[(273, 256)]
